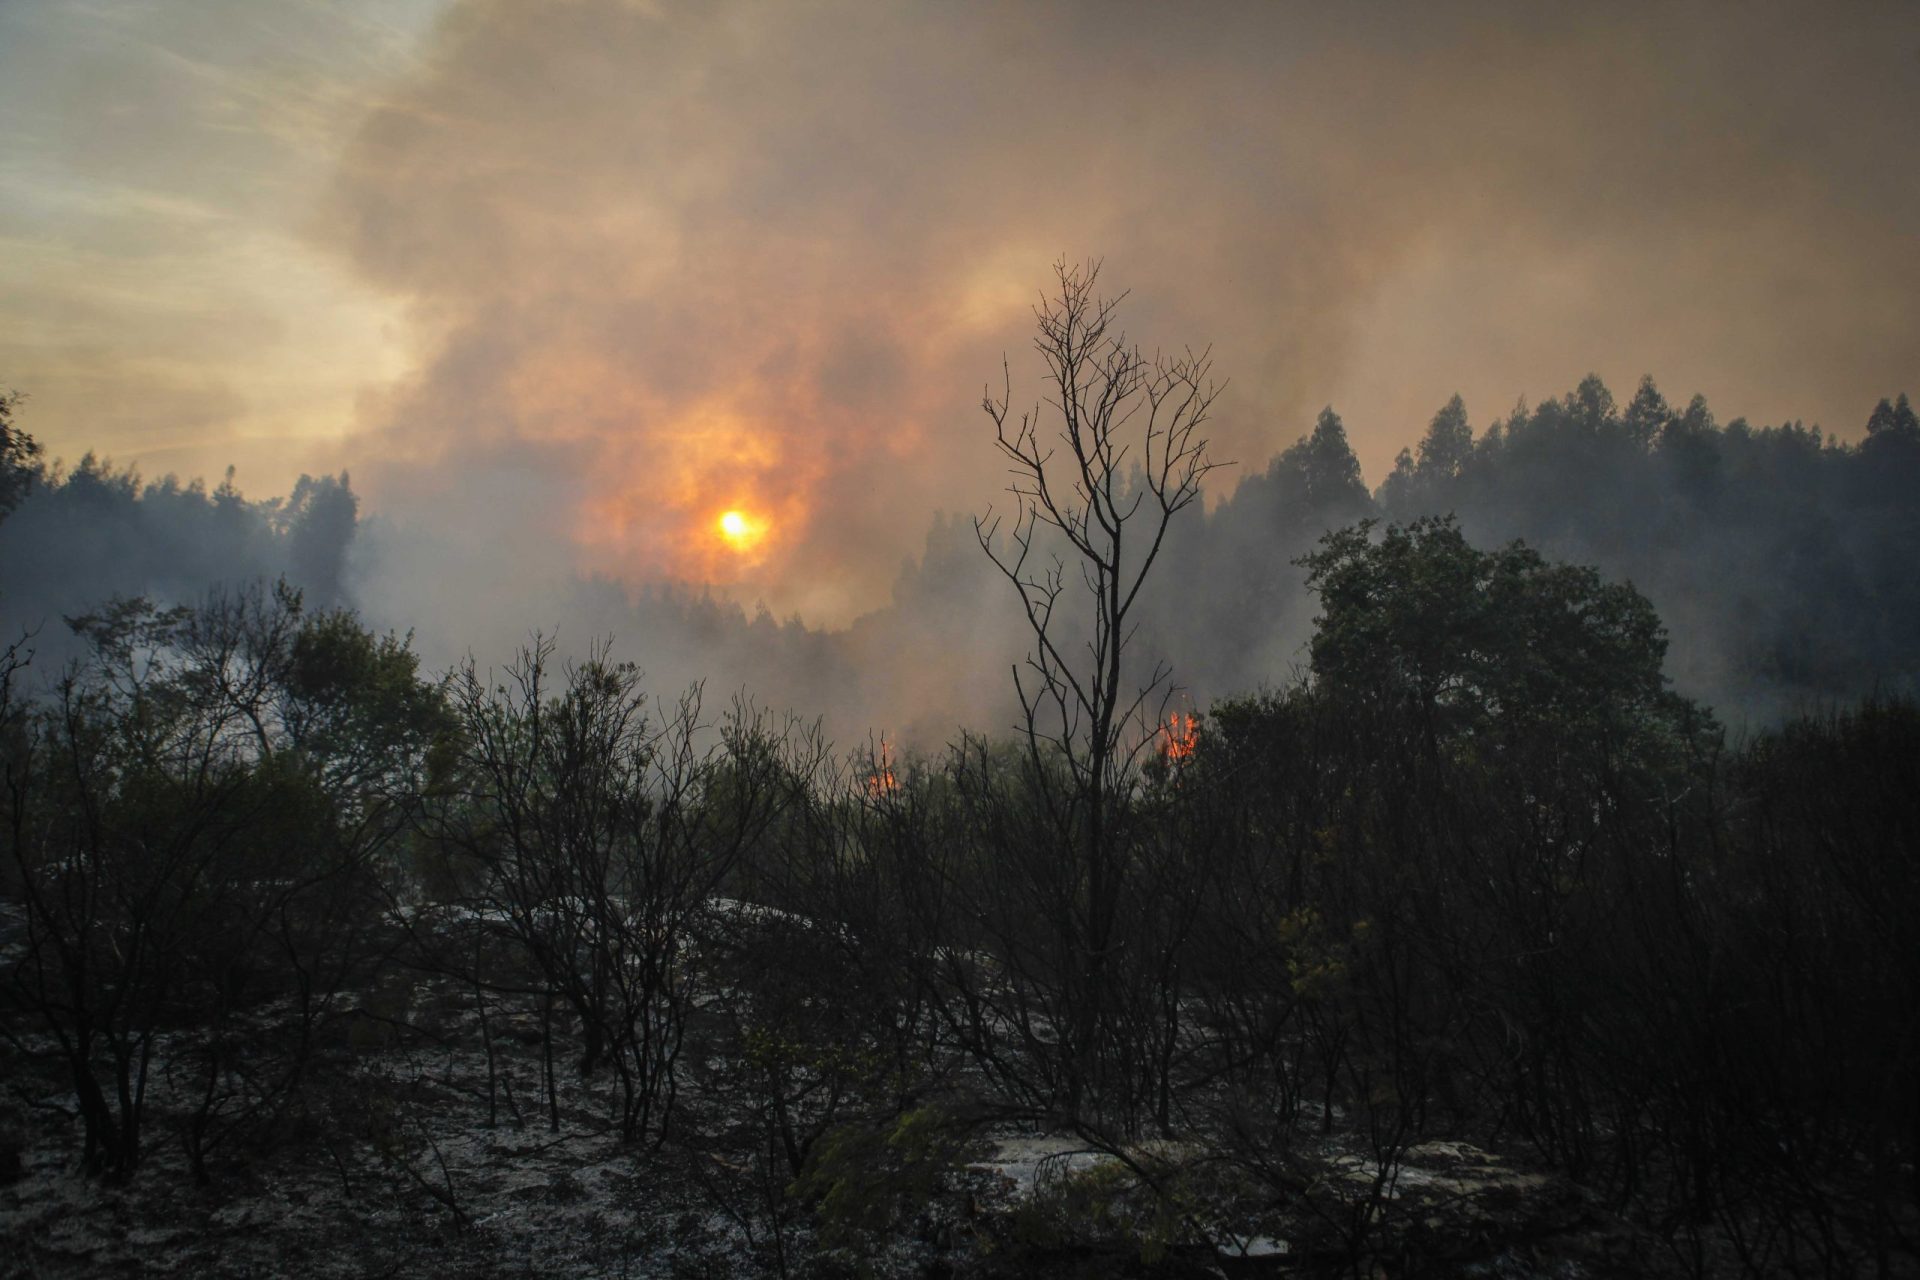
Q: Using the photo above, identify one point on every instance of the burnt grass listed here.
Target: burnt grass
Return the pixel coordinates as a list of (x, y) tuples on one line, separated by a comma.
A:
[(420, 1140)]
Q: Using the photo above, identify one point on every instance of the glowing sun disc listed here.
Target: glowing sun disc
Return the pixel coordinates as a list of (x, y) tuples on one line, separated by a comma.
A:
[(739, 530)]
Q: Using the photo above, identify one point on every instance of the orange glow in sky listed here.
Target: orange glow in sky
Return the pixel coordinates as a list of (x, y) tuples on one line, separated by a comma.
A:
[(740, 530), (710, 493)]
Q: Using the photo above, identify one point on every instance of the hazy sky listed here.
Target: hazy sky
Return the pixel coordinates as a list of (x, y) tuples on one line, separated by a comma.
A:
[(581, 276)]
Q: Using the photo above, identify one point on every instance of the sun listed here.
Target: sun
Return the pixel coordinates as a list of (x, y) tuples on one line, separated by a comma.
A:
[(740, 530)]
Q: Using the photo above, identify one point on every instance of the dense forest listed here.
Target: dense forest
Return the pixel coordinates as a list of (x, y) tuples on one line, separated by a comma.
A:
[(1776, 556), (1457, 935)]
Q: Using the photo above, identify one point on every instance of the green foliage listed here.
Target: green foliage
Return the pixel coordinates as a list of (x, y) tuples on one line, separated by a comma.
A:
[(1107, 1205), (1502, 643), (867, 1179), (1482, 874), (1775, 552), (19, 457), (357, 698), (197, 813), (1448, 443), (1317, 958), (1321, 470)]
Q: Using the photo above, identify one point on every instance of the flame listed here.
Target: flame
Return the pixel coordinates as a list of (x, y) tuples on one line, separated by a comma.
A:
[(1183, 734), (881, 781)]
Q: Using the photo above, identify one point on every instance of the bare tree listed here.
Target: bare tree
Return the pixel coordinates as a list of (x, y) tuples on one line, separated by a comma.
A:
[(1096, 482), (599, 832)]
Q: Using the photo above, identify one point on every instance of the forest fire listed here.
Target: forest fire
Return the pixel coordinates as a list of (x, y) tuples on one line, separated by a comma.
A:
[(725, 398), (1182, 735), (881, 782)]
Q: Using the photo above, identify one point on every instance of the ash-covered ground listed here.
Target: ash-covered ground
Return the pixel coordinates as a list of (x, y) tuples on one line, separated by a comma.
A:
[(422, 1140)]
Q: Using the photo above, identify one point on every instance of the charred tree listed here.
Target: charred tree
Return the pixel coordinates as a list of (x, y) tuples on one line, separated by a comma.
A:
[(1097, 477)]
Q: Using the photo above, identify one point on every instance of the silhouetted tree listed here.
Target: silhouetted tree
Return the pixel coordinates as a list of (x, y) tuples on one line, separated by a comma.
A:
[(1471, 640), (99, 531), (1102, 485), (590, 834), (19, 455), (1448, 444), (196, 817), (1647, 414), (319, 522)]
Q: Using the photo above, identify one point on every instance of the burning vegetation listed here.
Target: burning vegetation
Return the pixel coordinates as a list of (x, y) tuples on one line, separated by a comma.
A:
[(1483, 953), (880, 780), (1179, 738)]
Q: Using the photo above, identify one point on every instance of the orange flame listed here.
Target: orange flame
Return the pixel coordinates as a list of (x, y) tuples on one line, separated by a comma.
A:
[(881, 781), (1183, 734)]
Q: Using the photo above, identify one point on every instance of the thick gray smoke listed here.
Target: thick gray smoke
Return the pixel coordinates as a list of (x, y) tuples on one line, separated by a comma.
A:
[(664, 260), (659, 261)]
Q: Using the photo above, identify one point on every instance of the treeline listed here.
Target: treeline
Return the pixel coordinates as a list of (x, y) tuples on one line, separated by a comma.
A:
[(76, 537), (1776, 554), (1480, 876)]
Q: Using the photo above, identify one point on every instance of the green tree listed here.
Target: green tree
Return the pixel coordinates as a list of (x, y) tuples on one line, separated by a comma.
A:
[(1896, 417), (1321, 472), (194, 819), (1448, 442), (19, 457), (1589, 407), (1647, 415), (318, 522), (1481, 641)]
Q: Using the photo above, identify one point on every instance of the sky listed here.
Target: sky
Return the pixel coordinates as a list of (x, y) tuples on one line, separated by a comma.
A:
[(561, 283)]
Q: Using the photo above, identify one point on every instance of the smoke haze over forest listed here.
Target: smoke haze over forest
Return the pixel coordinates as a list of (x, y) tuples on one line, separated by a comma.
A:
[(997, 640), (559, 284), (1776, 555)]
